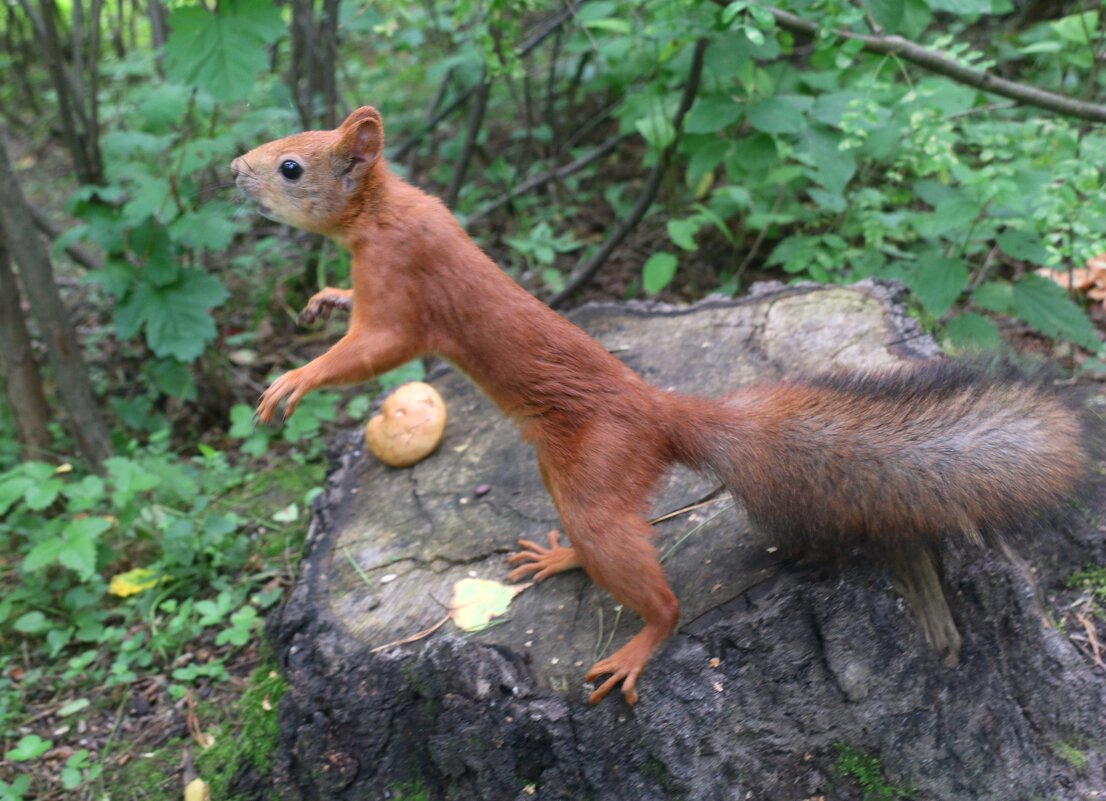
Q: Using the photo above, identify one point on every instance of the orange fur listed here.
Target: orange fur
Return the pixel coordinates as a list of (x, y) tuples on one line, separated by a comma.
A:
[(845, 456)]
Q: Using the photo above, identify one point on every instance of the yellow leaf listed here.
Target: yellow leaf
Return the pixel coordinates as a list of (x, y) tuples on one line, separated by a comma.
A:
[(476, 601), (63, 468), (133, 582), (197, 790)]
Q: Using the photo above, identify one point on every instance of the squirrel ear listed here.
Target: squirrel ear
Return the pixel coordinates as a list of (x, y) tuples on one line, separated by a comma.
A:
[(358, 115), (362, 138)]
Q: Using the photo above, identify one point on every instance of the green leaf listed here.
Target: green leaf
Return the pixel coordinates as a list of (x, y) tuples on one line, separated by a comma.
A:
[(1076, 27), (30, 746), (779, 114), (1045, 306), (711, 114), (81, 536), (241, 421), (954, 214), (971, 7), (412, 371), (44, 554), (937, 281), (165, 106), (994, 296), (658, 272), (972, 332), (12, 490), (682, 232), (116, 277), (609, 24), (657, 130), (210, 227), (41, 495), (886, 13), (829, 166), (1023, 245), (221, 53), (73, 707), (173, 378), (149, 242), (705, 153), (128, 478), (175, 316), (31, 623)]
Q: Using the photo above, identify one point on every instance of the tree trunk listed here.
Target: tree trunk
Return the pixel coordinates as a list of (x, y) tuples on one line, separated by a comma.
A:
[(312, 70), (159, 24), (76, 107), (23, 381), (37, 273)]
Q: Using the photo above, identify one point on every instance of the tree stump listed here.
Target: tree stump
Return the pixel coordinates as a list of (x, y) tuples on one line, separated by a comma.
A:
[(775, 667)]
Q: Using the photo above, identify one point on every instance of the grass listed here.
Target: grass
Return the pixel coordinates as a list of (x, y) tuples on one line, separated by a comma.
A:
[(866, 771)]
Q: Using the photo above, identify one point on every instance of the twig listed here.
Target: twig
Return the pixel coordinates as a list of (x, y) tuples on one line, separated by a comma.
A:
[(558, 174), (583, 275), (672, 549), (435, 104), (758, 241), (530, 44), (402, 151), (476, 122), (413, 638), (75, 252), (706, 500), (942, 65)]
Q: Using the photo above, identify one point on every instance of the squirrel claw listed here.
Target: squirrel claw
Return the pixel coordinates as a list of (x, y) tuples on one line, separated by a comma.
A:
[(322, 304), (290, 386), (619, 672)]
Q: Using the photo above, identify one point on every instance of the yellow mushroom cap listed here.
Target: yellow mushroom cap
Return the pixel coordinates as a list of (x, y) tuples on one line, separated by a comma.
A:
[(409, 427)]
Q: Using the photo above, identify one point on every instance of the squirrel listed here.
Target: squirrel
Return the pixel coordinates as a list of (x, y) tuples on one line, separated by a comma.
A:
[(888, 461)]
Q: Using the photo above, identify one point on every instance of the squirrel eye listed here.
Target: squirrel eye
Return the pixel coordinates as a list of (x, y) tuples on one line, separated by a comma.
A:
[(291, 170)]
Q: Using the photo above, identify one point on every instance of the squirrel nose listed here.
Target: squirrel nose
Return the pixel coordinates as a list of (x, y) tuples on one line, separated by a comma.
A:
[(236, 166)]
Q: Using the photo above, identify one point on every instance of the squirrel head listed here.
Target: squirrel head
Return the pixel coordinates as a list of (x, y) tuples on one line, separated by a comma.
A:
[(318, 180)]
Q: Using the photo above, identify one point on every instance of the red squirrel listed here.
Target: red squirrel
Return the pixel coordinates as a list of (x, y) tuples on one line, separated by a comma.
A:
[(883, 460)]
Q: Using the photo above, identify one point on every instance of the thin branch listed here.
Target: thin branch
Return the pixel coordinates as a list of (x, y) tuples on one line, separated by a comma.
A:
[(476, 122), (556, 174), (942, 65), (752, 254), (583, 275), (525, 48), (75, 252), (402, 151)]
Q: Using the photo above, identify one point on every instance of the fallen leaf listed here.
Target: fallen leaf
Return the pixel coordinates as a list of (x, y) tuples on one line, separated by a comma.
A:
[(197, 790), (476, 601), (133, 581), (1078, 278)]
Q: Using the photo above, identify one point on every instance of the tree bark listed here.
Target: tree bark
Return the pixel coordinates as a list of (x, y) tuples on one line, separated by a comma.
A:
[(37, 273), (23, 380), (159, 25), (77, 108)]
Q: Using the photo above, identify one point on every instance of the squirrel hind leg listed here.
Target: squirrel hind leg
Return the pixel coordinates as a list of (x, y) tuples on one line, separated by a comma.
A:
[(917, 581)]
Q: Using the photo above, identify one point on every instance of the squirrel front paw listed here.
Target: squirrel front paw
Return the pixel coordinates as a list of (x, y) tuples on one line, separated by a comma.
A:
[(541, 562), (322, 303), (293, 385)]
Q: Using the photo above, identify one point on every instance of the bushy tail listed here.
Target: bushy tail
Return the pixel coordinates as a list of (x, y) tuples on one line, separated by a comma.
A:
[(889, 459)]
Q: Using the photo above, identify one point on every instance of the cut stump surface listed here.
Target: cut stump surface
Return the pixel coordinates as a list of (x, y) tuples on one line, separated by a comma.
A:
[(774, 668)]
